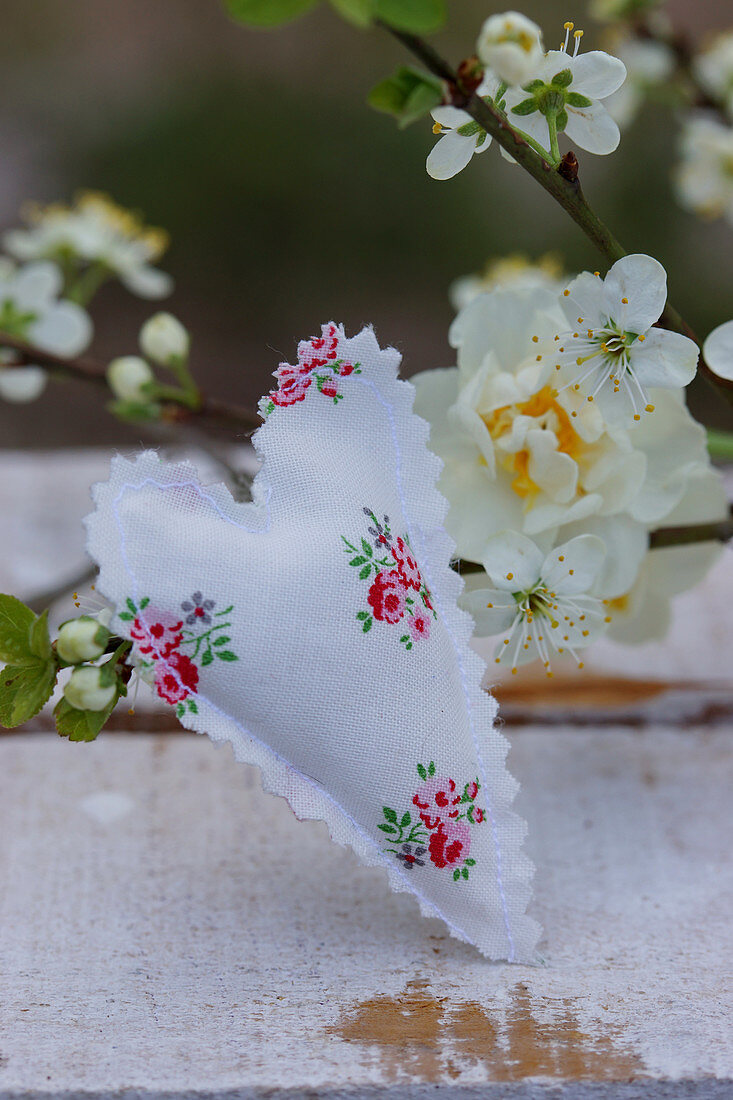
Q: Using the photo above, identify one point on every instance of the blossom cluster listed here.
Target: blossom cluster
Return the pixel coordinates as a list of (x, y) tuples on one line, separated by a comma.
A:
[(565, 439)]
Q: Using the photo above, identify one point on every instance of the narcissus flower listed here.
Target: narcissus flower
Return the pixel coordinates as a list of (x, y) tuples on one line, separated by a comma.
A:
[(611, 354), (703, 179), (563, 93), (510, 44), (541, 603), (460, 137), (96, 230)]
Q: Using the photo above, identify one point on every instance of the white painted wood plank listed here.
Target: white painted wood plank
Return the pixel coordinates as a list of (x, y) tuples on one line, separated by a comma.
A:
[(168, 930)]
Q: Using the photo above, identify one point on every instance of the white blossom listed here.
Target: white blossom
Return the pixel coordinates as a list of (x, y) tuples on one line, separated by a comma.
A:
[(96, 230), (82, 639), (703, 178), (510, 44), (128, 376), (718, 351), (164, 339), (713, 67), (611, 353), (541, 603), (566, 90), (514, 271), (89, 688), (30, 311), (460, 137), (648, 64)]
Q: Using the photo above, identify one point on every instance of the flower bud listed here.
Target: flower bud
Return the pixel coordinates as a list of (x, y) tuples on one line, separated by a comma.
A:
[(82, 639), (164, 339), (511, 45), (127, 376), (21, 384), (89, 688)]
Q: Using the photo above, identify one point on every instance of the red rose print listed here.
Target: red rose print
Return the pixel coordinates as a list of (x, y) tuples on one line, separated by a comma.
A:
[(437, 801), (406, 564), (419, 625), (387, 596), (292, 386), (176, 678), (478, 815), (471, 790), (346, 369), (329, 388), (449, 845)]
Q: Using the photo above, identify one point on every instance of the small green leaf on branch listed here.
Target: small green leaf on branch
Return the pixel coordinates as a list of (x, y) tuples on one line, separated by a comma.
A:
[(408, 95)]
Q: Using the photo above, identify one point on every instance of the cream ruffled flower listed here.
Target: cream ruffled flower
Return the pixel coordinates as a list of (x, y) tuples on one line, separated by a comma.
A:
[(703, 179), (567, 90), (541, 603), (96, 231), (515, 457), (611, 354), (30, 310), (510, 44)]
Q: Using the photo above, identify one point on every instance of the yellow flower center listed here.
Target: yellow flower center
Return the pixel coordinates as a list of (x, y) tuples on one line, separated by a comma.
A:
[(543, 407)]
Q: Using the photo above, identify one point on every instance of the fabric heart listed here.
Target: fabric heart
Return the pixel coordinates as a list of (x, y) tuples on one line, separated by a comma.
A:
[(317, 629)]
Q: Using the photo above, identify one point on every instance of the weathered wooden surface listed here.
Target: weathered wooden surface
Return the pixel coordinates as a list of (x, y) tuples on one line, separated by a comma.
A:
[(167, 930)]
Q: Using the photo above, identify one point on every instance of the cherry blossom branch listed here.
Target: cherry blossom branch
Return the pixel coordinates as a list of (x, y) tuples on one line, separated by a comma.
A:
[(561, 182), (209, 410)]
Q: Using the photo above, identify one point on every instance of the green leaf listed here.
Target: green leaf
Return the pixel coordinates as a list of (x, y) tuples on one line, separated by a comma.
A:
[(222, 640), (126, 616), (23, 691), (464, 872), (364, 573), (563, 79), (407, 95), (226, 655), (131, 606), (526, 107), (431, 769), (358, 561), (533, 86), (40, 640), (180, 710), (405, 638), (367, 625), (16, 623), (358, 12), (362, 615), (575, 99), (387, 828), (456, 875), (80, 725), (470, 862), (207, 658), (390, 814), (366, 547), (268, 13), (192, 707), (561, 121), (132, 411), (405, 820), (421, 771), (144, 602), (413, 16)]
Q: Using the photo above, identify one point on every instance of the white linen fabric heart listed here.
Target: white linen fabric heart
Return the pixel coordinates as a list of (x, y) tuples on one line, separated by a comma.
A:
[(317, 629)]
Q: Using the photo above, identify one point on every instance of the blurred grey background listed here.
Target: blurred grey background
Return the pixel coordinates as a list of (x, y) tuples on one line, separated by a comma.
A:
[(288, 200)]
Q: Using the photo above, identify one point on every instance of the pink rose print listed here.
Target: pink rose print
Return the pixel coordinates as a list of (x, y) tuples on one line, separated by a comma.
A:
[(318, 360), (156, 633), (450, 845), (176, 678), (437, 801), (406, 564), (387, 597), (394, 593), (441, 829)]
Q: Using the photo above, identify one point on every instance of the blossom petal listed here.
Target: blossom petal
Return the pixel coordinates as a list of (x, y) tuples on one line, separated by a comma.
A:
[(626, 542), (493, 611), (21, 384), (64, 329), (450, 155), (512, 561), (147, 282), (642, 281), (586, 299), (572, 568), (596, 74), (592, 128), (665, 359), (36, 285), (718, 351), (450, 117)]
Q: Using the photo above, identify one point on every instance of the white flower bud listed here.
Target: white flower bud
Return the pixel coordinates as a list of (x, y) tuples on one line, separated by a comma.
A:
[(88, 689), (163, 339), (82, 639), (21, 384), (511, 45), (127, 376)]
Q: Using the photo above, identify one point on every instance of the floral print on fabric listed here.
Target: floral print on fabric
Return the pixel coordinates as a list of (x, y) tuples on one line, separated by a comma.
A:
[(396, 591), (319, 361), (171, 654), (440, 829)]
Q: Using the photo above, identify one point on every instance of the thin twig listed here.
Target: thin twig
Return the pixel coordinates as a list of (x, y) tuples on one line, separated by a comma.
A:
[(564, 186)]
